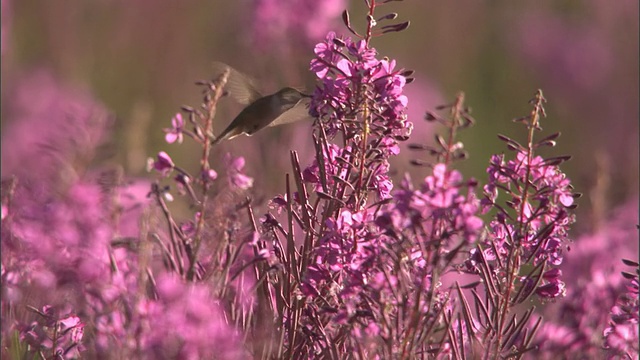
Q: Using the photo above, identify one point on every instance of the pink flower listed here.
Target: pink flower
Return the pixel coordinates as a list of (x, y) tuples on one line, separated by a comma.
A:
[(235, 174), (163, 164), (175, 132)]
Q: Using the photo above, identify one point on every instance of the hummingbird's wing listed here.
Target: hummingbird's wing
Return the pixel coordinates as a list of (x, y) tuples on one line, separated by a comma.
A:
[(240, 86), (300, 111)]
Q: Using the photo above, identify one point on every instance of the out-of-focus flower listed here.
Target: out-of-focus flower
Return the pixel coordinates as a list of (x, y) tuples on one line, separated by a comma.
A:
[(186, 323), (51, 329), (621, 337), (58, 226), (235, 174), (163, 164), (558, 48), (293, 21), (5, 32), (64, 238), (210, 175), (596, 290), (174, 133), (52, 128)]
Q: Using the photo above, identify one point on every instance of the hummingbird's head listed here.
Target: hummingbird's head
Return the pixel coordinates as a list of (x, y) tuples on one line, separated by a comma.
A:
[(291, 95)]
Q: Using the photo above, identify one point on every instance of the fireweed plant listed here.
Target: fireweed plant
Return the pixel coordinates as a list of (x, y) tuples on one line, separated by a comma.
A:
[(342, 266)]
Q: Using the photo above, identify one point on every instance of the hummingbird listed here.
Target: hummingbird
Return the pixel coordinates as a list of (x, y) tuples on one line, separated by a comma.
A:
[(285, 106)]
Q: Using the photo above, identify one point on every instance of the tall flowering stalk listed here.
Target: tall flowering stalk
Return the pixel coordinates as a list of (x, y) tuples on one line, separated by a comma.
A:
[(208, 256), (182, 253), (519, 256), (363, 277), (360, 100)]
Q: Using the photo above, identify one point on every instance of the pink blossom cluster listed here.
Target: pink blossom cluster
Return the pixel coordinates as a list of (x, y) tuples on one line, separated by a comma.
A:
[(540, 196), (355, 83), (56, 335)]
